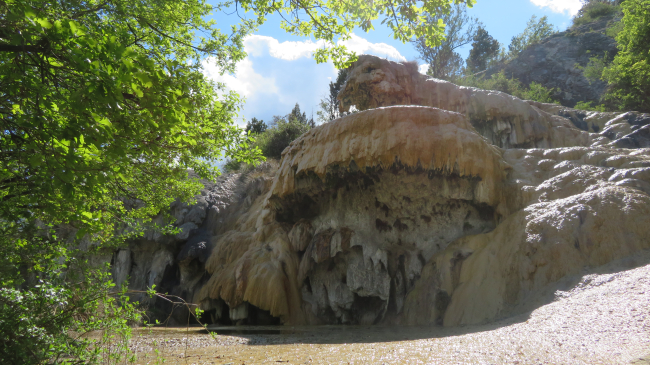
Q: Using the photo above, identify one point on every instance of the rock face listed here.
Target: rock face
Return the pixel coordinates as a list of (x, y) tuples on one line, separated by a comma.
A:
[(454, 206), (553, 61), (175, 264), (505, 120)]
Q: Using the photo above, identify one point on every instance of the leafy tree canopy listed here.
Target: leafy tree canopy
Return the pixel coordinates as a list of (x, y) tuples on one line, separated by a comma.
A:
[(329, 106), (300, 117), (629, 73), (107, 99), (255, 126), (104, 106), (443, 60), (484, 49), (536, 30)]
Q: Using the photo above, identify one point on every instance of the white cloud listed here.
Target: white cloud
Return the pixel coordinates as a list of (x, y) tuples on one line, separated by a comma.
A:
[(259, 45), (362, 46), (560, 6), (277, 75), (245, 81), (423, 68)]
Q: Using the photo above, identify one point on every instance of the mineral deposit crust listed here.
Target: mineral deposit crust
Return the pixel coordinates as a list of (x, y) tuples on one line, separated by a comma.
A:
[(439, 205)]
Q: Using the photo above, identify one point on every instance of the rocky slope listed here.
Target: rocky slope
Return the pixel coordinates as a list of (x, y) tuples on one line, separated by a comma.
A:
[(557, 62), (597, 318), (440, 205)]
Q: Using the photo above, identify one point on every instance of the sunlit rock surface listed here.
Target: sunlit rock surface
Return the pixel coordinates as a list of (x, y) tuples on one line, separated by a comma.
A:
[(463, 207), (504, 120)]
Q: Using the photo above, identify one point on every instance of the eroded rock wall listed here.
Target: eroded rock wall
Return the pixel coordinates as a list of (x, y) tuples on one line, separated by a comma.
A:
[(411, 214), (582, 207), (382, 217), (175, 264), (506, 121)]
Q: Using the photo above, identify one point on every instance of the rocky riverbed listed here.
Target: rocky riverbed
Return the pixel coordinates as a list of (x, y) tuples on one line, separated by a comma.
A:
[(598, 317)]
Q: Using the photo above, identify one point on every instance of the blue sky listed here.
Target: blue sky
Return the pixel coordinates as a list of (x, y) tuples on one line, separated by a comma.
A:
[(279, 70)]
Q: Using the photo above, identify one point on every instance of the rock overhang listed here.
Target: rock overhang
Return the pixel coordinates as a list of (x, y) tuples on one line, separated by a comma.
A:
[(415, 139)]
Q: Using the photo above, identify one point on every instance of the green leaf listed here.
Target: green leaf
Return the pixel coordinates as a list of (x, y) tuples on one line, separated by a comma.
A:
[(43, 22), (144, 78), (36, 160)]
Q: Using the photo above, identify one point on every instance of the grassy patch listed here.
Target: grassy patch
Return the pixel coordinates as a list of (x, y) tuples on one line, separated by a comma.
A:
[(594, 10)]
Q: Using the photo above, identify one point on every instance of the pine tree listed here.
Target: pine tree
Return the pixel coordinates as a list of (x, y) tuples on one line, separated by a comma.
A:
[(255, 126), (300, 117), (484, 49)]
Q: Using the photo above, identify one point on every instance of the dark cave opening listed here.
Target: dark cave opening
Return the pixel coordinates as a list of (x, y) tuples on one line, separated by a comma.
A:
[(256, 316)]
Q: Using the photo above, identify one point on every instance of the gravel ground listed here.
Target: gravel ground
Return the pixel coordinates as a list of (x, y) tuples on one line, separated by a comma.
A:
[(605, 319)]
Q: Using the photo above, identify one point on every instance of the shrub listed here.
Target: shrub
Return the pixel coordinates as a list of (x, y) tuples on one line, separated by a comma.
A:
[(232, 165), (593, 10), (593, 71), (537, 92), (587, 105), (44, 319), (535, 32), (500, 82), (629, 73), (275, 139)]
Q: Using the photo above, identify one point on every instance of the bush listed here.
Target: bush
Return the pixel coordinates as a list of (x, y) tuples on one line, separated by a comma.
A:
[(535, 32), (500, 82), (232, 165), (594, 69), (44, 319), (629, 73), (275, 139), (587, 105), (593, 10), (537, 92)]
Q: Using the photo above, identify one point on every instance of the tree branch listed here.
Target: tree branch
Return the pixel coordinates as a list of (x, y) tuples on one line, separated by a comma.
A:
[(24, 48)]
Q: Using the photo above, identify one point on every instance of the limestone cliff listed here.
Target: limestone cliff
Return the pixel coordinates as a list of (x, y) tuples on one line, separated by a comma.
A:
[(558, 62), (438, 205)]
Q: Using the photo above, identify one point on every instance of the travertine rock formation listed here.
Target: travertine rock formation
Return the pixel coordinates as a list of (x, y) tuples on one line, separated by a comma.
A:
[(458, 210), (175, 264), (505, 120), (582, 207)]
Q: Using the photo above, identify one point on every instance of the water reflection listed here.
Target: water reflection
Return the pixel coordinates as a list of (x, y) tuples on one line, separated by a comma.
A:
[(341, 334)]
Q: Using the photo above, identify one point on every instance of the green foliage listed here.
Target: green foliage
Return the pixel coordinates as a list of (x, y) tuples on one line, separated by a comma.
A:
[(485, 49), (44, 317), (593, 71), (104, 106), (296, 115), (511, 86), (583, 105), (329, 106), (536, 30), (629, 73), (538, 92), (614, 28), (232, 165), (333, 20), (255, 126), (443, 60), (593, 10), (95, 107), (275, 139)]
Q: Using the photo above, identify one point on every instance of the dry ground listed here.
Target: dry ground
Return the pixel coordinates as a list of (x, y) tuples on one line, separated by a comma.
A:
[(604, 319)]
